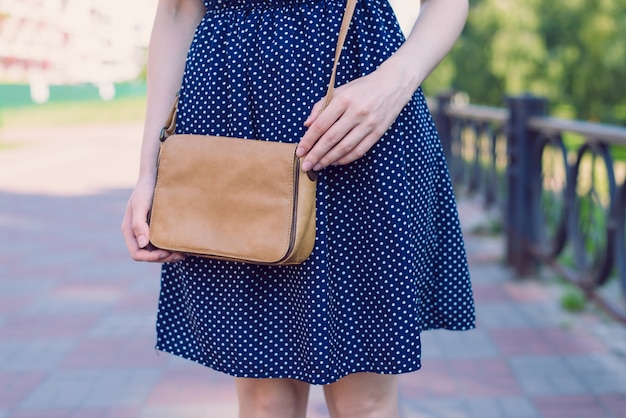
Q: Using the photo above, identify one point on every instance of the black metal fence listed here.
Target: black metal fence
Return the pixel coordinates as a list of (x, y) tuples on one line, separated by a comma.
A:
[(559, 184)]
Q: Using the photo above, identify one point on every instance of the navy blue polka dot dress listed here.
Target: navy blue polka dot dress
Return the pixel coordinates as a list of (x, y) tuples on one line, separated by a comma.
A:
[(389, 260)]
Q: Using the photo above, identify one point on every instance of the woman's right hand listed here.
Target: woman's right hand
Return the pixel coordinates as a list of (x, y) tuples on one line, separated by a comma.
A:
[(136, 230)]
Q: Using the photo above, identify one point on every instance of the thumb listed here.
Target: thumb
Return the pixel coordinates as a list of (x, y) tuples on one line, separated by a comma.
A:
[(141, 229)]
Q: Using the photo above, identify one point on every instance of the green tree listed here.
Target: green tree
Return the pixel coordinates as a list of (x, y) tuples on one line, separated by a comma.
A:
[(573, 52)]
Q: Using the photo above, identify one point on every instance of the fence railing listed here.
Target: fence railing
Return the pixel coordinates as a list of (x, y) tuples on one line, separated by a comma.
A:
[(558, 183)]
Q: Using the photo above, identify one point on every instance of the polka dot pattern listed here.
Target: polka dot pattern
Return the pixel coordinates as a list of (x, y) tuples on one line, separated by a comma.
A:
[(389, 260)]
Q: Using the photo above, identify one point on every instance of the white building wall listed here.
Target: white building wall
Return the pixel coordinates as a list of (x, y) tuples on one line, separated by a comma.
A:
[(73, 41)]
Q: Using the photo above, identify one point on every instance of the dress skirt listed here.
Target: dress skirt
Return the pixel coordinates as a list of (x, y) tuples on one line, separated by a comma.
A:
[(389, 260)]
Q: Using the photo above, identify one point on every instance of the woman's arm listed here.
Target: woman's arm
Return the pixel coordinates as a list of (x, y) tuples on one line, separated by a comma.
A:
[(172, 32), (435, 31), (361, 111)]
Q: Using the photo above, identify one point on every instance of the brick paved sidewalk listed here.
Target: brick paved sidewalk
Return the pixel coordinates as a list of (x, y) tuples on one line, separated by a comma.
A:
[(77, 316)]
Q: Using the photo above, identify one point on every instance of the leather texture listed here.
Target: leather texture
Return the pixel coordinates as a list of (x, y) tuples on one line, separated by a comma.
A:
[(232, 198)]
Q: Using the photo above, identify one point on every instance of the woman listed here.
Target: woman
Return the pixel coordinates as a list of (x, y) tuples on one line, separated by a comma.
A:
[(389, 260)]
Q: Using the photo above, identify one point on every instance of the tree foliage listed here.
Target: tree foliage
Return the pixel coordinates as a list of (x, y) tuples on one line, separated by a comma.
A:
[(572, 52)]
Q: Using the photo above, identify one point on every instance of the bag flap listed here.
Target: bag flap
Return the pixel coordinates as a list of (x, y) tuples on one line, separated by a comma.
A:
[(228, 197)]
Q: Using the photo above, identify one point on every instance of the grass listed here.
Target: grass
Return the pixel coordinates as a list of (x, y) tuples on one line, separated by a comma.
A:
[(573, 299), (128, 109), (493, 227)]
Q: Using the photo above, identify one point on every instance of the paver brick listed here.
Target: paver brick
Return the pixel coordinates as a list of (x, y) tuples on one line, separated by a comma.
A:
[(484, 408), (485, 378), (105, 353), (451, 344), (15, 386), (572, 406), (544, 341), (54, 327), (546, 375), (33, 355), (123, 325), (501, 315), (92, 388), (615, 404), (519, 407)]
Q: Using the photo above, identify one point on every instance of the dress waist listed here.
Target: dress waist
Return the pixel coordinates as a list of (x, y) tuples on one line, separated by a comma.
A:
[(226, 4)]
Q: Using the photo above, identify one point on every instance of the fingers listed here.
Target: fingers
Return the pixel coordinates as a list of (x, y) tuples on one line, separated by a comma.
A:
[(136, 234), (156, 255), (352, 148), (323, 134), (343, 133), (332, 146), (318, 125), (315, 112), (140, 227), (356, 118)]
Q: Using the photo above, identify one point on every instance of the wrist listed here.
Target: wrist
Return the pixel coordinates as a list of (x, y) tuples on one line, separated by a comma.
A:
[(399, 68), (148, 162), (147, 177)]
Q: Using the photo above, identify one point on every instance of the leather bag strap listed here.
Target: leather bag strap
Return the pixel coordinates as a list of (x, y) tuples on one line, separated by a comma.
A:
[(343, 31), (170, 124)]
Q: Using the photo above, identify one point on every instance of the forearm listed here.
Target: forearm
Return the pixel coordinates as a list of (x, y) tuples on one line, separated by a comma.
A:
[(172, 33), (435, 31)]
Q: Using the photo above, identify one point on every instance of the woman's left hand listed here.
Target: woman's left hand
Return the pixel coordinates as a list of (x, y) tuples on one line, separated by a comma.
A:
[(358, 115)]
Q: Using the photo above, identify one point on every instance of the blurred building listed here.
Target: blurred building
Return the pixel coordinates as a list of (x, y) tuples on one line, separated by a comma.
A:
[(45, 42)]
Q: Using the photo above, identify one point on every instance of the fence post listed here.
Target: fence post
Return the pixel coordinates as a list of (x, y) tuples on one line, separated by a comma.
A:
[(519, 148), (443, 124)]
